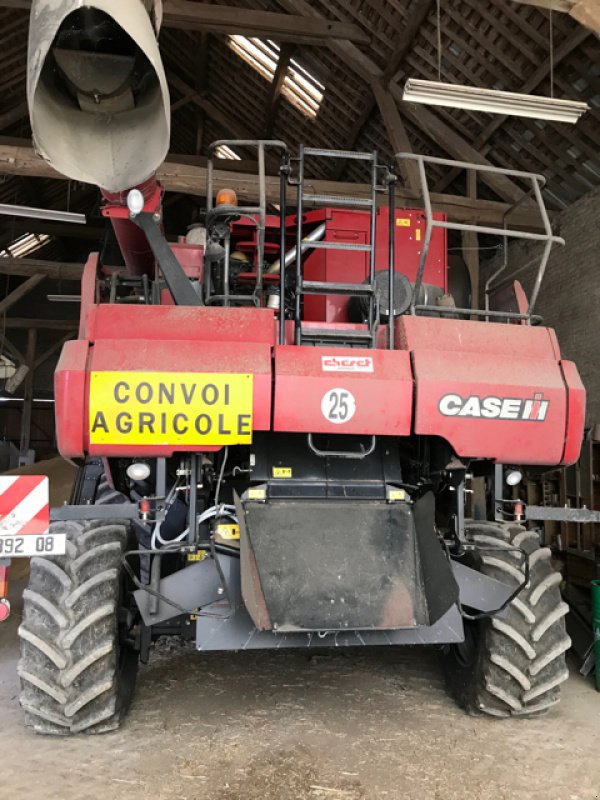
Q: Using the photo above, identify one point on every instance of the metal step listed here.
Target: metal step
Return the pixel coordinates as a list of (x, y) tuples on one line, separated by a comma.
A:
[(363, 248), (315, 151), (323, 287), (336, 336), (337, 200)]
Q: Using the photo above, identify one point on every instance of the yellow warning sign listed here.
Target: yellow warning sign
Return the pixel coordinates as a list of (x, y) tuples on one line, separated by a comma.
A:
[(170, 408), (282, 472), (402, 222)]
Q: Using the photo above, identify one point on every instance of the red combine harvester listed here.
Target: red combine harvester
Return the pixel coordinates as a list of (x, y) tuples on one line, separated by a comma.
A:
[(277, 430)]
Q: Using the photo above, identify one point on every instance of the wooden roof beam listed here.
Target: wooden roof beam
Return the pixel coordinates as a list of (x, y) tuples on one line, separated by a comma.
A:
[(28, 267), (586, 12), (192, 16), (20, 292), (433, 127), (21, 323), (286, 54), (403, 47), (190, 179), (14, 115), (227, 121), (397, 136), (534, 80)]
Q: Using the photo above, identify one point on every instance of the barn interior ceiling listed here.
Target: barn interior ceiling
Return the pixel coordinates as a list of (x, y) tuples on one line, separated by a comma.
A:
[(331, 74)]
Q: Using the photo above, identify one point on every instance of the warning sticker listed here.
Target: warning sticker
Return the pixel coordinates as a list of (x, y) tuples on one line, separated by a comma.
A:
[(170, 408)]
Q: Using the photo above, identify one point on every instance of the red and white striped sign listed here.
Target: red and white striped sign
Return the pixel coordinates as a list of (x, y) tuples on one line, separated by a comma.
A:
[(24, 505)]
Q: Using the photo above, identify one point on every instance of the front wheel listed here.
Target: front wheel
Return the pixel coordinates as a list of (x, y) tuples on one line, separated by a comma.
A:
[(78, 664), (512, 665)]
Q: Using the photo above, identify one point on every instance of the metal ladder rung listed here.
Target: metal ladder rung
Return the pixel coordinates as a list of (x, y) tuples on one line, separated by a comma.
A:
[(315, 151), (336, 335), (338, 200), (363, 248), (322, 287)]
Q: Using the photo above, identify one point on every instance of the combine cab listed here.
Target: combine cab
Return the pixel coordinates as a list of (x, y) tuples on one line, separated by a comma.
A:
[(277, 429)]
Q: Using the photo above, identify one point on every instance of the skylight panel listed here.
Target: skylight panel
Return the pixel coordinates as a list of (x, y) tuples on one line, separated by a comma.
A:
[(300, 87), (224, 151), (25, 245)]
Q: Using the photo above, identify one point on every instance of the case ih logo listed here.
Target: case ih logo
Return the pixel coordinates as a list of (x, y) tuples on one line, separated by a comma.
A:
[(475, 407), (347, 364)]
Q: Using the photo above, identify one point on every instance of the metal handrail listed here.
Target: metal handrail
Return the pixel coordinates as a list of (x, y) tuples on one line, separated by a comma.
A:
[(536, 181), (259, 211)]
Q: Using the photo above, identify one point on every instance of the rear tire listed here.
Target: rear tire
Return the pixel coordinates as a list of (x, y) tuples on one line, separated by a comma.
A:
[(512, 665), (78, 665)]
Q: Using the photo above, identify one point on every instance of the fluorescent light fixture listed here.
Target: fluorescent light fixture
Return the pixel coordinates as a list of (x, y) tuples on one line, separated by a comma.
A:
[(42, 213), (492, 101)]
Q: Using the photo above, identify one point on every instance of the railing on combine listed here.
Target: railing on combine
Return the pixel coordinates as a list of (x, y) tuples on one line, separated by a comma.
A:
[(536, 183), (255, 214)]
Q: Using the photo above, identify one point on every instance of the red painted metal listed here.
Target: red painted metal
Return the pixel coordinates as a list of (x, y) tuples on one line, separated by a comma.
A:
[(167, 355), (466, 359), (191, 258), (177, 324), (515, 369), (132, 241), (382, 395), (342, 266), (88, 292), (575, 413), (70, 398)]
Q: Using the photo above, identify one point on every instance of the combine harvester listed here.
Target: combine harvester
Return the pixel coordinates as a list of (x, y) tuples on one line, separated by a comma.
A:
[(277, 428)]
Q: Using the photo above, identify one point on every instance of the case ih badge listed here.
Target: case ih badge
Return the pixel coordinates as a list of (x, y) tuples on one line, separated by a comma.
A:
[(509, 408), (25, 518)]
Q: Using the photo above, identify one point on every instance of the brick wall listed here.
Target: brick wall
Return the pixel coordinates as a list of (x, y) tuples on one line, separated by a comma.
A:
[(569, 300)]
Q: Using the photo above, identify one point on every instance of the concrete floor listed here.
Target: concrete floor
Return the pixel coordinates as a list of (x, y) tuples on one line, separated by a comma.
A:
[(278, 726)]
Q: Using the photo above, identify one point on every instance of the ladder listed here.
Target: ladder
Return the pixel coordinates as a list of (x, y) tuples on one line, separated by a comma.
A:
[(350, 337)]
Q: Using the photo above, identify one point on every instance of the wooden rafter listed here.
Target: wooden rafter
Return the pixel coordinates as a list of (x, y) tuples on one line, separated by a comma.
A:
[(191, 180), (13, 115), (397, 135), (28, 267), (43, 357), (21, 323), (201, 84), (227, 122), (586, 12), (20, 292), (430, 124), (283, 64), (192, 16), (403, 47), (534, 80)]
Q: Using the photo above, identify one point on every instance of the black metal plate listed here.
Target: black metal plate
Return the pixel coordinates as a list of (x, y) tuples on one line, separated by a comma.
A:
[(336, 565)]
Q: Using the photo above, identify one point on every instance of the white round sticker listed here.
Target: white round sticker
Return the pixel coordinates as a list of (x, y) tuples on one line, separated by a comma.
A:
[(338, 406)]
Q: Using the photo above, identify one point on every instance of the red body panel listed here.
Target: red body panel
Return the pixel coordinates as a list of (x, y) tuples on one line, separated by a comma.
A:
[(492, 391), (575, 413), (180, 356), (378, 384), (70, 380), (342, 266), (176, 323)]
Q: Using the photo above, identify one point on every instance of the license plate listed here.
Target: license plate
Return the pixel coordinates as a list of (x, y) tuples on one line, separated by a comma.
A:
[(49, 544), (170, 408)]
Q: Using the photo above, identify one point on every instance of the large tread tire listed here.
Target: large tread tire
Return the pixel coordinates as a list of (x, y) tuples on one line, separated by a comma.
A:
[(512, 665), (77, 674)]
